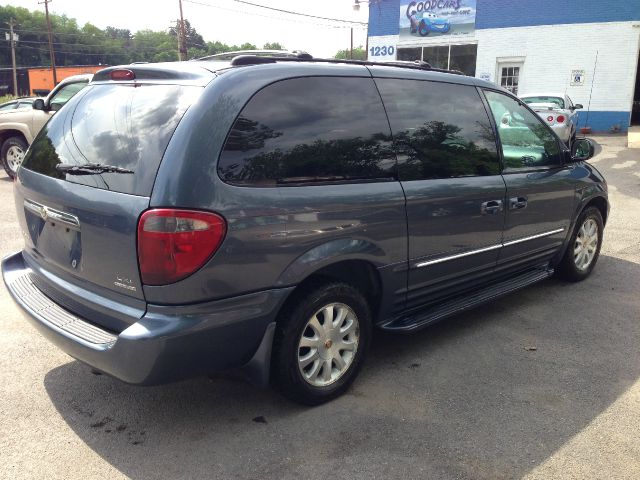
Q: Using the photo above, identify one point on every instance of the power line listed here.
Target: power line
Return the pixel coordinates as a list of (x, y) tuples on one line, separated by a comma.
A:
[(63, 52), (326, 25), (290, 12), (84, 45), (39, 32)]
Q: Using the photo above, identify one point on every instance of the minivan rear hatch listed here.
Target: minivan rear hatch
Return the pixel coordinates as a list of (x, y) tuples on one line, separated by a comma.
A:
[(82, 187)]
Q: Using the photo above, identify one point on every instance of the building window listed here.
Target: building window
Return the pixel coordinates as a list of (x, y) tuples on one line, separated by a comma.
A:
[(449, 57), (437, 57), (410, 54), (463, 58), (509, 76)]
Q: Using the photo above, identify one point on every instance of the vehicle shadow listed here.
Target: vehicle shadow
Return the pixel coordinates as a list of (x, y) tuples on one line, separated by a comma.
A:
[(491, 393), (619, 164)]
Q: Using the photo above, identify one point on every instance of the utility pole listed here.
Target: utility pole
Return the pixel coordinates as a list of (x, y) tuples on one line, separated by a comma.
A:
[(12, 39), (51, 52), (351, 50), (182, 37)]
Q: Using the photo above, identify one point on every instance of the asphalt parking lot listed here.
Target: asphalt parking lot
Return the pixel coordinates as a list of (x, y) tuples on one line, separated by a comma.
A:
[(543, 383)]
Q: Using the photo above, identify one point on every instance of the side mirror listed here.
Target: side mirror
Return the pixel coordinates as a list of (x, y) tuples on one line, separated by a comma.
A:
[(578, 106), (582, 149), (38, 104)]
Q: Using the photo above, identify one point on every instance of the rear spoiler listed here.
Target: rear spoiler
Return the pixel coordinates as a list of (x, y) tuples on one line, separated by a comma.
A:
[(183, 73)]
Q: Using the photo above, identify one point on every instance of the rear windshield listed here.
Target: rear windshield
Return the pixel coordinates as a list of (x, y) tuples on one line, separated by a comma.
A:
[(122, 126), (555, 101)]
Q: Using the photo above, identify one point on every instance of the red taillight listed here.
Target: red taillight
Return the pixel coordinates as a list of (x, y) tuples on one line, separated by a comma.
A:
[(550, 118), (560, 119), (122, 74), (173, 244)]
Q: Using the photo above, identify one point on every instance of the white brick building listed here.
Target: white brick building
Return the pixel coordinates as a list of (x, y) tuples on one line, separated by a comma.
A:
[(584, 48)]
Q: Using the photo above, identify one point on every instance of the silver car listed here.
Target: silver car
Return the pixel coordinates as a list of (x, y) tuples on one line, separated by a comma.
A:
[(558, 111)]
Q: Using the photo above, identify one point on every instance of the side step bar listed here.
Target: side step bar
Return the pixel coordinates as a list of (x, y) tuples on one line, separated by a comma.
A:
[(428, 316)]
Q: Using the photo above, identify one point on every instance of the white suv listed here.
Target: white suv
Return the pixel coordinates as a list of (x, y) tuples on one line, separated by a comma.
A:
[(19, 127)]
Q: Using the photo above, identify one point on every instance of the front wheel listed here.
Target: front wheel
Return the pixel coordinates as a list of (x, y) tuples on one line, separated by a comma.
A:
[(584, 246), (12, 152), (320, 343)]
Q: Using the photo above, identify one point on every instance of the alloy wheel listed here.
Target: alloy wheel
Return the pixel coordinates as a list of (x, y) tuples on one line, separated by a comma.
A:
[(15, 155), (586, 244), (328, 344)]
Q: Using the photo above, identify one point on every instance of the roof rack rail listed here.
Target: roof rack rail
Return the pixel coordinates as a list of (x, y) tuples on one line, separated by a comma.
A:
[(255, 53), (249, 59)]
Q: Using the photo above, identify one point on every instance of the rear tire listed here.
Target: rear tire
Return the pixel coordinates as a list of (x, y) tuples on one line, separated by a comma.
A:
[(315, 360), (12, 154), (584, 245)]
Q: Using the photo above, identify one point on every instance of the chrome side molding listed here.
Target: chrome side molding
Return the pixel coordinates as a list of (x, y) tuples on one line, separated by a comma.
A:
[(458, 255), (533, 237), (487, 249)]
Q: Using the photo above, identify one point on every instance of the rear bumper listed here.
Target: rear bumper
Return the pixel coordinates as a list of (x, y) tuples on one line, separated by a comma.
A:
[(168, 343)]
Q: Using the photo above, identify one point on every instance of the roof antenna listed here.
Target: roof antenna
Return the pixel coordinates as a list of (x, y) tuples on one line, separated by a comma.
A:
[(593, 80)]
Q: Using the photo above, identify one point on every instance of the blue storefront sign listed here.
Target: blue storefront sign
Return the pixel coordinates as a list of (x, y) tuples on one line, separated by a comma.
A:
[(432, 18)]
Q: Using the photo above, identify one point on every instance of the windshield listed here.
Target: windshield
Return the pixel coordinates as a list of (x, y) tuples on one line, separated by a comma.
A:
[(556, 101), (65, 94)]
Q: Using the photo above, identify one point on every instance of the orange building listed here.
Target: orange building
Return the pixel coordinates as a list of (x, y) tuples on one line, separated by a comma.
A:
[(41, 79)]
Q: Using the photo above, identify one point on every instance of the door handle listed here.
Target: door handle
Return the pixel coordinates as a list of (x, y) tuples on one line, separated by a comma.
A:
[(491, 207), (517, 203)]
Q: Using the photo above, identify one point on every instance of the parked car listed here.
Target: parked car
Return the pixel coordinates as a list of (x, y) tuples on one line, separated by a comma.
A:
[(425, 23), (19, 127), (269, 213), (558, 111), (18, 103)]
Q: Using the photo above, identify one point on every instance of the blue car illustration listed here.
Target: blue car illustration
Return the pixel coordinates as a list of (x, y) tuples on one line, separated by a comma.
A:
[(425, 23)]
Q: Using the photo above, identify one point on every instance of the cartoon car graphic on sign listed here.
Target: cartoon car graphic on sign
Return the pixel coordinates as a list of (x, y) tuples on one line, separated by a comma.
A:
[(425, 23)]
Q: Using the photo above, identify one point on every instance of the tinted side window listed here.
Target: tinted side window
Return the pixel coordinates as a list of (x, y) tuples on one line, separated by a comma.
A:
[(441, 130), (526, 141), (312, 129)]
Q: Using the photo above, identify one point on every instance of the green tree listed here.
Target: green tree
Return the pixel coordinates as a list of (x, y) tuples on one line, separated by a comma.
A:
[(196, 46), (151, 46), (90, 45), (273, 46), (359, 53)]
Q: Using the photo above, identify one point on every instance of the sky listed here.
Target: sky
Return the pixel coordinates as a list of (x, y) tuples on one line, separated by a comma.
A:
[(228, 21)]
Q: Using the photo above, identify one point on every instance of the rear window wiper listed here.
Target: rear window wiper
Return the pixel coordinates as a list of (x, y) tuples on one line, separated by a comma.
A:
[(90, 169)]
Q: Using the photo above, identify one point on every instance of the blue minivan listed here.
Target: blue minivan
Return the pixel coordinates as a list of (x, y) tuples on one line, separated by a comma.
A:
[(269, 213)]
